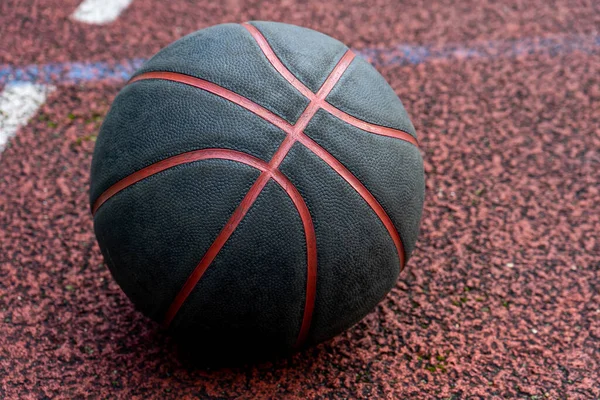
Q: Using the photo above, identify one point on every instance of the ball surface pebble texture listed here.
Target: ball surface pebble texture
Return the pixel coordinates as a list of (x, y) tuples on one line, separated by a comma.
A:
[(256, 186)]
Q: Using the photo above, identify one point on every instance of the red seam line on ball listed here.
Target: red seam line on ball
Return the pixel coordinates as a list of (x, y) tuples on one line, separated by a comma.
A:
[(294, 133), (361, 190), (219, 91), (267, 173), (215, 247), (311, 253), (319, 99), (155, 168), (287, 74), (171, 162), (274, 60), (365, 126), (251, 197)]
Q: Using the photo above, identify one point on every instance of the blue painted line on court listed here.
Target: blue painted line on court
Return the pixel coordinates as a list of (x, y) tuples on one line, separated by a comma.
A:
[(505, 49), (83, 72), (72, 72)]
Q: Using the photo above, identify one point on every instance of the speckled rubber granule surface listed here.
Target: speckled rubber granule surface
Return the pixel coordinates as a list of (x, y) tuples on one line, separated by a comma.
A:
[(501, 298)]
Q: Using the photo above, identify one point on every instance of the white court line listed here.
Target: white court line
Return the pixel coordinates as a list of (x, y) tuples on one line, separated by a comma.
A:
[(99, 11), (19, 101)]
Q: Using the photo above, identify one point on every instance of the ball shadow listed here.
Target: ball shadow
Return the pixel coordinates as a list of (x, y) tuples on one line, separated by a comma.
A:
[(149, 343)]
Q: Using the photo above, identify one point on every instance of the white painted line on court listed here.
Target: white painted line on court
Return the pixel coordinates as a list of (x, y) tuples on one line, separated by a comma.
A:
[(19, 101), (99, 11)]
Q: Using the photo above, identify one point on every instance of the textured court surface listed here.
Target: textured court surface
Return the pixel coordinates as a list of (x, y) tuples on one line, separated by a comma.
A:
[(501, 297)]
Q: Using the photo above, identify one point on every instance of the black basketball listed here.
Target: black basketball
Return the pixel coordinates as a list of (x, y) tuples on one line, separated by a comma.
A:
[(256, 186)]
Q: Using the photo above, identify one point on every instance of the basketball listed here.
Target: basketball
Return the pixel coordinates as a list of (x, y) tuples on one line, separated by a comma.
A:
[(256, 185)]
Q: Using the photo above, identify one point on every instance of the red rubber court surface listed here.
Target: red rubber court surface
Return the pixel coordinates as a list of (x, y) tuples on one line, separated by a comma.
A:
[(501, 298)]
